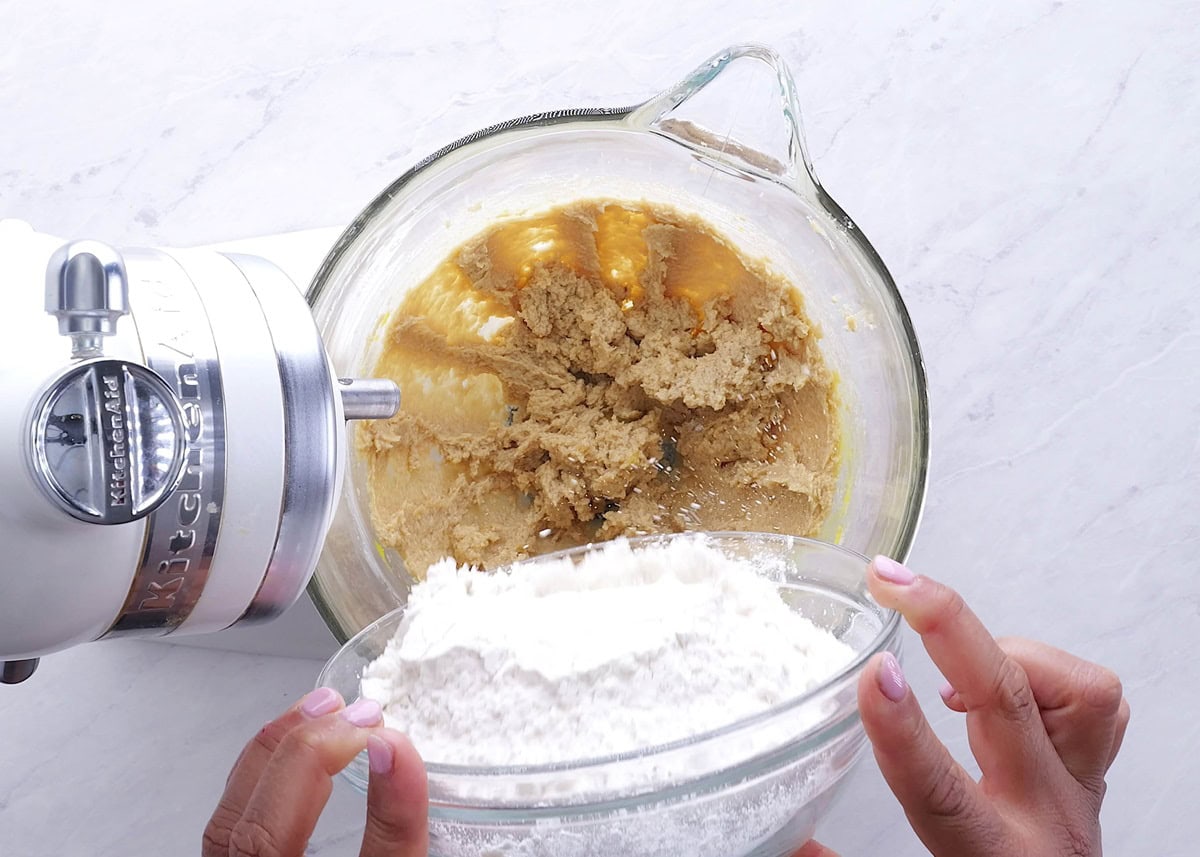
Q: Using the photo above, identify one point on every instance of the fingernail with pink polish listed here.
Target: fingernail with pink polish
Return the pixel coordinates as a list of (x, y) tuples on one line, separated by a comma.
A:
[(892, 571), (947, 692), (363, 712), (320, 701), (891, 678), (379, 755)]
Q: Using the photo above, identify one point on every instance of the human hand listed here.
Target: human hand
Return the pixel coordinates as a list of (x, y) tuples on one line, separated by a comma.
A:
[(282, 781), (1044, 726)]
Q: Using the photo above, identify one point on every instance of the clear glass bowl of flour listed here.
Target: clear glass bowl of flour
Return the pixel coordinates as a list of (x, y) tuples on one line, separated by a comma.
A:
[(754, 787), (725, 145)]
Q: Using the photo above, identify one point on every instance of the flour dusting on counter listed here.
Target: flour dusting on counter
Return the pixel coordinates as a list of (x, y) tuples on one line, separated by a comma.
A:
[(622, 649)]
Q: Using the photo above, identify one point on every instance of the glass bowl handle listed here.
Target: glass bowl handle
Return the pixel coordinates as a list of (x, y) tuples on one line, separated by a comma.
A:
[(737, 110)]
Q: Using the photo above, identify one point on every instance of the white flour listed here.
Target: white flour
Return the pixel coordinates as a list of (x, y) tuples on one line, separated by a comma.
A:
[(564, 661)]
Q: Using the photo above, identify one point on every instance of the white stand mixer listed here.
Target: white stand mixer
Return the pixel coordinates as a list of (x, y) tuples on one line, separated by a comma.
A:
[(176, 443)]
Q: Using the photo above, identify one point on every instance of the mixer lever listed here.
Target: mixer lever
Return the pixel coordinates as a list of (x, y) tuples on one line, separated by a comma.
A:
[(87, 289)]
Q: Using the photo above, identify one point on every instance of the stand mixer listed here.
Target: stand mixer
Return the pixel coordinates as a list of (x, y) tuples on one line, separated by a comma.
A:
[(176, 443)]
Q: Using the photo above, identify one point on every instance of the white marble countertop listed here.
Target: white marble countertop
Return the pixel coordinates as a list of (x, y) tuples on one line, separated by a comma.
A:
[(1028, 170)]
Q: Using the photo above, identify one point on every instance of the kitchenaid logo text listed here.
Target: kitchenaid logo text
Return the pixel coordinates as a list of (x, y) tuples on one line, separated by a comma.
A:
[(181, 534), (186, 543), (116, 449)]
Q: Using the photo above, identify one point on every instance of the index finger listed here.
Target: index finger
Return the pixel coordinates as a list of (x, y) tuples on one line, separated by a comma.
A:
[(1006, 731), (294, 787), (250, 764)]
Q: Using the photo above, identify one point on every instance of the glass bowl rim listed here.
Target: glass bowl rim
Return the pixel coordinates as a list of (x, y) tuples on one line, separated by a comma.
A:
[(614, 118)]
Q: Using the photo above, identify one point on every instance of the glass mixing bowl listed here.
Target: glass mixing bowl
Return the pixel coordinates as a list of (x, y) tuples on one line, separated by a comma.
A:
[(726, 145), (755, 787)]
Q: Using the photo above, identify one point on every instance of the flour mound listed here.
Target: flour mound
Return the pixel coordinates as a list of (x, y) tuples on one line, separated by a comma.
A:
[(563, 660)]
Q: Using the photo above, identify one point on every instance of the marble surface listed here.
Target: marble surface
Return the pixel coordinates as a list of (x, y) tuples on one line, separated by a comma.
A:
[(1028, 171)]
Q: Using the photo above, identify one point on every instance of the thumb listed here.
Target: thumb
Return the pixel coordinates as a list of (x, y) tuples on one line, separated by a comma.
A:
[(945, 807), (397, 799), (814, 849)]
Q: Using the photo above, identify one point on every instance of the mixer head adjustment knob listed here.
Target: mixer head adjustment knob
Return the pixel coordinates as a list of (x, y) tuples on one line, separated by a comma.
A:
[(109, 441), (87, 290)]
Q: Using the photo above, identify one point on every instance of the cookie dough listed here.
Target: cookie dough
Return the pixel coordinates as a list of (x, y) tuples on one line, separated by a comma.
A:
[(606, 368)]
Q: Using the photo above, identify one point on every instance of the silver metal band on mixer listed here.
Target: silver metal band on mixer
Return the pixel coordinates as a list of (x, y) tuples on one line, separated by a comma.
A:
[(181, 535)]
